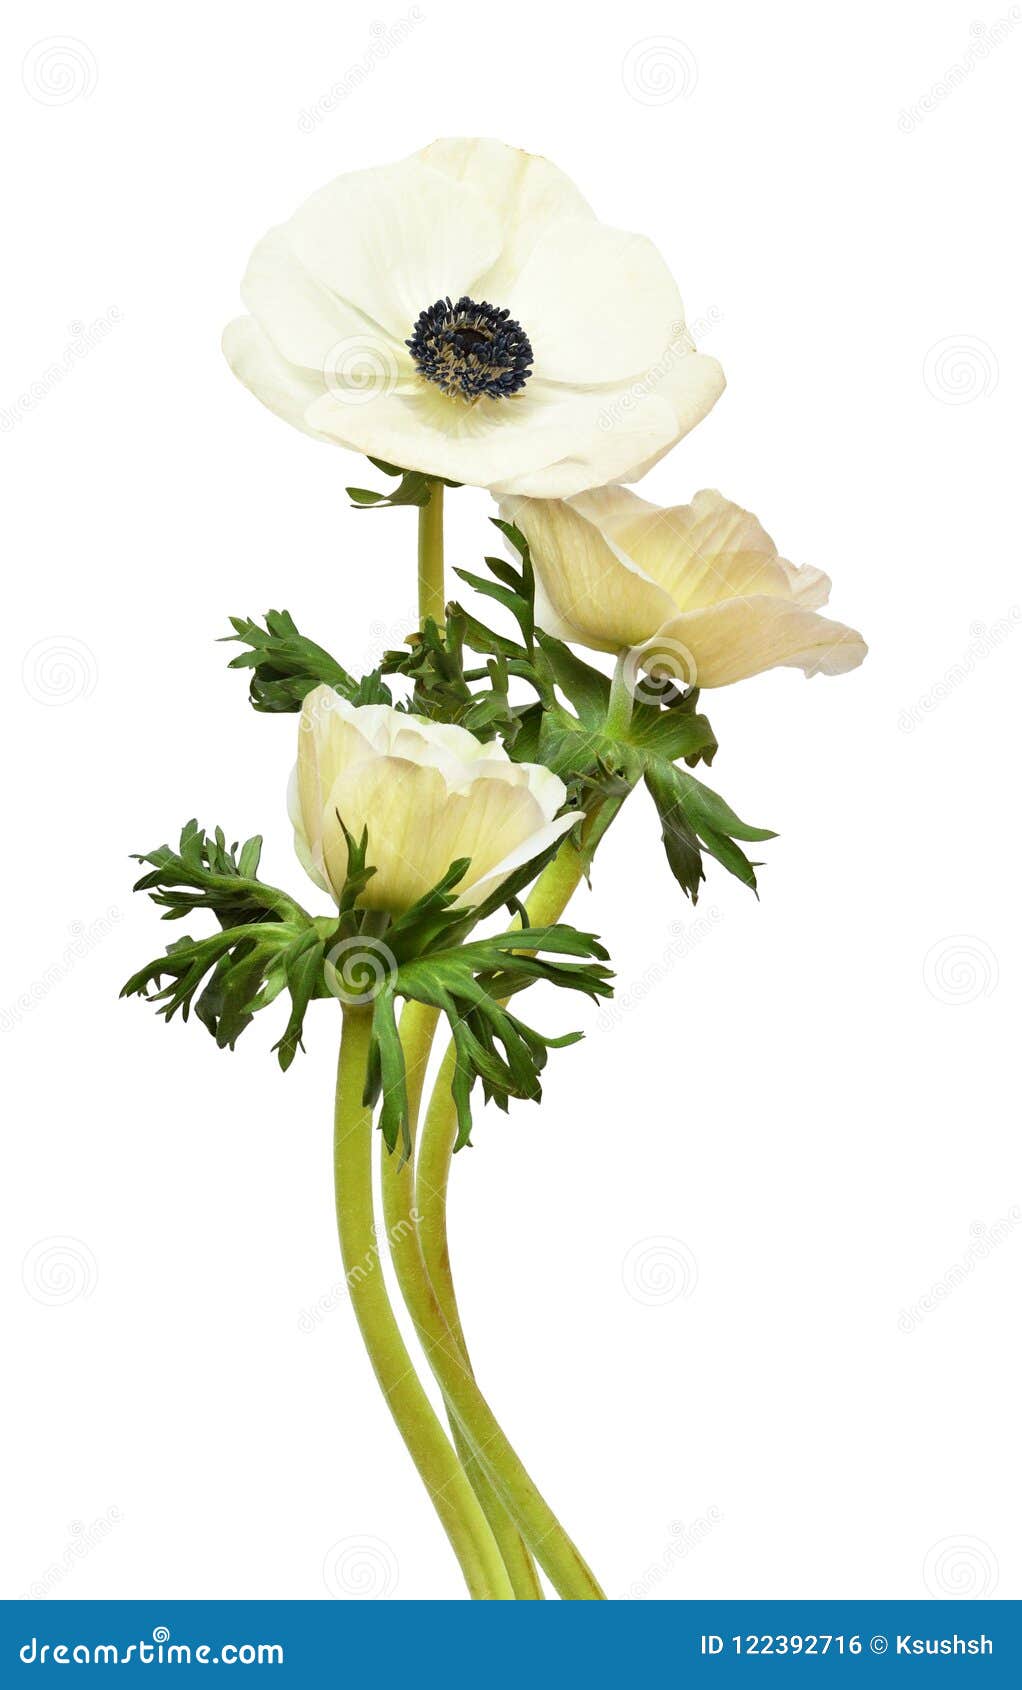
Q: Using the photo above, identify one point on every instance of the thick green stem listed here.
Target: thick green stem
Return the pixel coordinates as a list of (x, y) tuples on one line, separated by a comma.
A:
[(550, 897), (452, 1495), (431, 557), (418, 1024), (437, 1315)]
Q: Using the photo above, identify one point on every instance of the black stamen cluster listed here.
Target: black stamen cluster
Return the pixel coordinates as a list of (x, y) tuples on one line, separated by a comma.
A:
[(471, 349)]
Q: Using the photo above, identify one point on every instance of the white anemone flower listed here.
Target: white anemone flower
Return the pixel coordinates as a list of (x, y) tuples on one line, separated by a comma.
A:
[(694, 592), (464, 314), (428, 793)]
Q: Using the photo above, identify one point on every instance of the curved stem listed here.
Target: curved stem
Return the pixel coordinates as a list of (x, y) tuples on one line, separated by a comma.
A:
[(436, 1313), (452, 1495), (431, 557), (418, 1025), (550, 897), (539, 1526)]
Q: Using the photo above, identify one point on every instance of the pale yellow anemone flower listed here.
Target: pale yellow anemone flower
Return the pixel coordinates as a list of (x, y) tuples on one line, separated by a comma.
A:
[(697, 592), (429, 793), (464, 314)]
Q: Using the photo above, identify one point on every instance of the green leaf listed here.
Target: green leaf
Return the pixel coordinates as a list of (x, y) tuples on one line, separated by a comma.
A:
[(693, 817), (414, 488), (285, 665), (469, 983), (266, 943)]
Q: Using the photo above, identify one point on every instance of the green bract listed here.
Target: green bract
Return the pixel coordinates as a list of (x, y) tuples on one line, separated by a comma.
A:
[(268, 943)]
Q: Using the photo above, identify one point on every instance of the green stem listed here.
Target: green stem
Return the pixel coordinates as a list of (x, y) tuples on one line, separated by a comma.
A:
[(619, 708), (550, 897), (452, 1495), (418, 1025), (431, 557), (437, 1316)]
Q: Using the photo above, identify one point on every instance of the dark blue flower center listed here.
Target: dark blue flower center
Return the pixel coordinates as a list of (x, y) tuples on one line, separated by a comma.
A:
[(470, 349)]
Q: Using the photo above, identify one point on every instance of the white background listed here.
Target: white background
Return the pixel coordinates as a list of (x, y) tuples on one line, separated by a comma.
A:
[(809, 1101)]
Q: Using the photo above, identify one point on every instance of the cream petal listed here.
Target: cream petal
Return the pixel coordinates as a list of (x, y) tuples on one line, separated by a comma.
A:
[(600, 598), (283, 388), (700, 553), (522, 854), (745, 636), (525, 194), (402, 805), (598, 304), (394, 239)]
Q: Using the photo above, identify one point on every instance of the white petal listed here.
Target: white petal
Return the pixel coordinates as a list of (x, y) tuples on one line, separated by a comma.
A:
[(478, 444), (617, 433), (304, 320), (598, 304), (393, 240), (282, 387), (525, 193)]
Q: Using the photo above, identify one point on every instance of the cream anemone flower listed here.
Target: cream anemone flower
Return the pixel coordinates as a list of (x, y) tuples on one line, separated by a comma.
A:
[(695, 592), (464, 314), (429, 793)]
